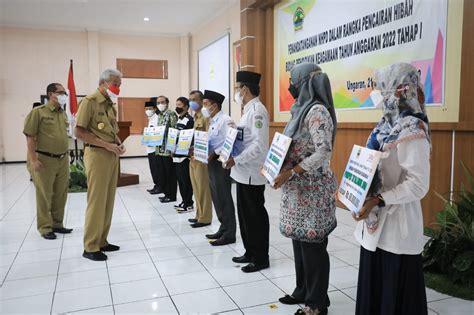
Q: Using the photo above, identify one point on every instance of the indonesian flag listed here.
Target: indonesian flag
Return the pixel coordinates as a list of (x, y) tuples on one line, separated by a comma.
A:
[(72, 100)]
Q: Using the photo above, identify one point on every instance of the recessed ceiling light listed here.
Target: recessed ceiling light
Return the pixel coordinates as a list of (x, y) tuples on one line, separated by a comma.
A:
[(146, 19)]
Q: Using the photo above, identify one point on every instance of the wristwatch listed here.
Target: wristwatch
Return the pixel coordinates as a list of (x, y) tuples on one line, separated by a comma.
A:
[(381, 203)]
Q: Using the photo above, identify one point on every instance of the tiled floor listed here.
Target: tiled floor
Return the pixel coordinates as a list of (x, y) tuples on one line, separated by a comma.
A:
[(164, 266)]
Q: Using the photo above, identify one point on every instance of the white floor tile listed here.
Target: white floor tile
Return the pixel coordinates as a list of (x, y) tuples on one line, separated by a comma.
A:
[(343, 277), (119, 258), (169, 253), (27, 287), (340, 304), (40, 269), (255, 293), (190, 282), (107, 310), (156, 306), (132, 273), (38, 256), (138, 290), (79, 264), (272, 308), (179, 266), (234, 275), (453, 306), (82, 299), (349, 256), (432, 295), (82, 279), (280, 268), (38, 304), (204, 302)]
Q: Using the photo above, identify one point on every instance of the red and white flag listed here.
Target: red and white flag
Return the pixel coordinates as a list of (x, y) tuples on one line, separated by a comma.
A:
[(72, 102)]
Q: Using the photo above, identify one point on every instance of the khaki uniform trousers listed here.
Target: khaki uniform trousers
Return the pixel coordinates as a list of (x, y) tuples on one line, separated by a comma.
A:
[(51, 184), (202, 191), (102, 169)]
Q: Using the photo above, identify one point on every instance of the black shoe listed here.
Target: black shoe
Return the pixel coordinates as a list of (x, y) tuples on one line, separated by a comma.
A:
[(301, 311), (95, 256), (222, 241), (49, 236), (179, 206), (185, 209), (167, 199), (252, 267), (242, 259), (192, 220), (154, 191), (199, 224), (110, 248), (289, 300), (62, 230), (214, 236)]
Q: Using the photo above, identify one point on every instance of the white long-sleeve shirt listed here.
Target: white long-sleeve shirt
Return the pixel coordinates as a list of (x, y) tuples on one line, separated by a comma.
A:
[(152, 122), (405, 175), (251, 145), (218, 130)]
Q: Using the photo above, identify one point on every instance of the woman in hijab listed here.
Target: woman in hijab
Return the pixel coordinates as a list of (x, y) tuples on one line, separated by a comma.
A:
[(307, 212), (390, 225)]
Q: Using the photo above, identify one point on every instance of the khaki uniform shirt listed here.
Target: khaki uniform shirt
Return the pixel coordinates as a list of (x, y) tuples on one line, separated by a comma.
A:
[(49, 126), (98, 116), (201, 123)]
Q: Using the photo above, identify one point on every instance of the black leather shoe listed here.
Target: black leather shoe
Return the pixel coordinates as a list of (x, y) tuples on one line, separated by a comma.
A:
[(222, 241), (110, 248), (253, 267), (154, 191), (214, 236), (62, 230), (199, 224), (49, 236), (95, 256), (242, 259), (167, 200), (289, 300), (192, 220), (301, 311)]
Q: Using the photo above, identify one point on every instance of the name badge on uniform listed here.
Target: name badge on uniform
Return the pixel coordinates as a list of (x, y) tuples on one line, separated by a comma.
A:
[(100, 125), (240, 133)]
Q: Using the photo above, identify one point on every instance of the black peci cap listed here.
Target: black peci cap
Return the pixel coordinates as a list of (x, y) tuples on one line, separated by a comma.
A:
[(214, 96), (248, 77)]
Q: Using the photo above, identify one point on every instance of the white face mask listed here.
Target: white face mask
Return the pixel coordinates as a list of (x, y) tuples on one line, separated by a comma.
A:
[(113, 97), (377, 98), (62, 100), (149, 112), (205, 112), (238, 98), (161, 107)]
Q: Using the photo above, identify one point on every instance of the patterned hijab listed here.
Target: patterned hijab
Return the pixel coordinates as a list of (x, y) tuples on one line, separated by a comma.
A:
[(314, 88), (404, 115)]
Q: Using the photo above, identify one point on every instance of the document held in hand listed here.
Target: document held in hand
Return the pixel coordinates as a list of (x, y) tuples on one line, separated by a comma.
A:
[(184, 141), (201, 146), (228, 144), (357, 177), (171, 141), (153, 136), (275, 157)]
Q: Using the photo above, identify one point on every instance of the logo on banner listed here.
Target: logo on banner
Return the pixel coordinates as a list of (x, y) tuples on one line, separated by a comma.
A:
[(298, 19)]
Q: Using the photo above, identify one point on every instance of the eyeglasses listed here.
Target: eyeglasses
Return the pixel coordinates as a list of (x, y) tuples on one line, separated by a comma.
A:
[(61, 93)]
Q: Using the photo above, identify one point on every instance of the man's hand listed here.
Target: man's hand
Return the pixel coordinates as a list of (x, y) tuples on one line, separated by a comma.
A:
[(229, 164), (37, 166), (114, 148), (122, 149), (212, 157), (281, 179), (369, 205)]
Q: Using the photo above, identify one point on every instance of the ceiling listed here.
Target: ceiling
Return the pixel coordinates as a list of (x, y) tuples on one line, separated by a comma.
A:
[(166, 17)]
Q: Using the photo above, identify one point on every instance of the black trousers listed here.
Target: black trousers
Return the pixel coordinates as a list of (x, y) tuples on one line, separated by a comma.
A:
[(153, 163), (253, 219), (167, 178), (221, 185), (312, 273), (390, 284), (184, 182)]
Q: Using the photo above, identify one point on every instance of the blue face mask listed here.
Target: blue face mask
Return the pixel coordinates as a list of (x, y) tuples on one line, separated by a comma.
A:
[(194, 106)]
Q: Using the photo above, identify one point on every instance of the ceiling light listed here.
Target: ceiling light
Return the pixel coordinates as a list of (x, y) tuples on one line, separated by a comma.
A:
[(146, 19)]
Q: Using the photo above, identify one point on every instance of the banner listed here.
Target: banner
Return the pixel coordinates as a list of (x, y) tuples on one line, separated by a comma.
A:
[(228, 144), (184, 142), (357, 177), (351, 39), (275, 157), (201, 146), (156, 135), (172, 138)]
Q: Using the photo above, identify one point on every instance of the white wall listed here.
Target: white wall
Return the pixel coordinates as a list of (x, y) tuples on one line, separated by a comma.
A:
[(31, 59)]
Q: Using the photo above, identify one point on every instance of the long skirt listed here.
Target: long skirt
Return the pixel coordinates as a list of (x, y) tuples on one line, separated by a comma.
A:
[(390, 284)]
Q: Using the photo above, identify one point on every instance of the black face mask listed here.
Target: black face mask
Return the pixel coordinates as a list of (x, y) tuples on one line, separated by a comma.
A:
[(293, 91), (179, 110)]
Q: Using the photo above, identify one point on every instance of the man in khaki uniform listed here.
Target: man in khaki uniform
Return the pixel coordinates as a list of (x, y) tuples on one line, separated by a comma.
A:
[(198, 171), (47, 141), (96, 125)]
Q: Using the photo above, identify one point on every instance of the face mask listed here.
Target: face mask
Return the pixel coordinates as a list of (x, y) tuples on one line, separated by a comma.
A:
[(113, 97), (293, 91), (114, 89), (149, 112), (62, 100), (179, 110), (161, 107), (377, 98), (206, 112), (238, 98), (194, 106)]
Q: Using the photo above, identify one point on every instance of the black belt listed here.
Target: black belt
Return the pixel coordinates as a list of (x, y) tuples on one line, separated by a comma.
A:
[(58, 156), (92, 146)]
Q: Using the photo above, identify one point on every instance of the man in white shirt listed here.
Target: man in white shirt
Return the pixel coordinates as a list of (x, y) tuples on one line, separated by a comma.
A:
[(219, 177), (249, 154), (150, 111)]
